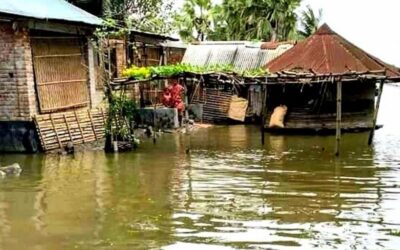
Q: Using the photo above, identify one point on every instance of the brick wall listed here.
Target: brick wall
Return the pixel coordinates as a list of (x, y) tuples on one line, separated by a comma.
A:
[(17, 89)]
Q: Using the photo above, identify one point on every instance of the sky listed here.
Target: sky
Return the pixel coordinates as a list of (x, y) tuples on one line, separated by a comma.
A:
[(372, 25)]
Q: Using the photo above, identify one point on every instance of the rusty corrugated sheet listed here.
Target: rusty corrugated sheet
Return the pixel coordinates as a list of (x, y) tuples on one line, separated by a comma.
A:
[(327, 52), (215, 104), (275, 45)]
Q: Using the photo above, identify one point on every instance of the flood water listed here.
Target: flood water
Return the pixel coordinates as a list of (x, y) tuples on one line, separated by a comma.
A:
[(229, 192)]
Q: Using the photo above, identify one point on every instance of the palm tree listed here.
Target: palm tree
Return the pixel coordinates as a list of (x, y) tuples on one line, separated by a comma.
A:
[(195, 20), (260, 19), (309, 22)]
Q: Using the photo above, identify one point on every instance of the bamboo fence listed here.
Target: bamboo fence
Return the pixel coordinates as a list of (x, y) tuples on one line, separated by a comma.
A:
[(57, 129)]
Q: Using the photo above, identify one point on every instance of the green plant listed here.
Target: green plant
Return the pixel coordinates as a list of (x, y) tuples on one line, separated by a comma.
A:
[(251, 73), (309, 22), (137, 73), (122, 113), (177, 69)]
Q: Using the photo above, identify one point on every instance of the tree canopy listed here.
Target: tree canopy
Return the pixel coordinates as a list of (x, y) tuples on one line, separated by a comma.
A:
[(309, 22), (266, 20), (145, 15), (198, 20)]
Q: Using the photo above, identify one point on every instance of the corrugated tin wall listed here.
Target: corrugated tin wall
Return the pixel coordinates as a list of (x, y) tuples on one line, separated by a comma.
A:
[(241, 56)]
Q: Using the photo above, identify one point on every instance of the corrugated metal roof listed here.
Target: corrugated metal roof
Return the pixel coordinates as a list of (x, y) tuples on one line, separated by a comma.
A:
[(327, 52), (48, 10), (242, 55)]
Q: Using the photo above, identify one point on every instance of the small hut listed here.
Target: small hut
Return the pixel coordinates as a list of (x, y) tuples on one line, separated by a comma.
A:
[(305, 80), (142, 48), (212, 92), (47, 65)]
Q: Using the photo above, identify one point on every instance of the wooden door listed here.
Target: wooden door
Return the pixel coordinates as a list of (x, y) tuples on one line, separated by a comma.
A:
[(61, 73)]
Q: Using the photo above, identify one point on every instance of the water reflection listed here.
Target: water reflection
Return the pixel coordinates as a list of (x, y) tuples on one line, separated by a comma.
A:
[(226, 192)]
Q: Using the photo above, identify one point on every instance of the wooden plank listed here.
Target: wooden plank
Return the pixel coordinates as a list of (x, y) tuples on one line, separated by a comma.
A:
[(68, 128), (59, 55), (59, 82), (55, 130), (43, 142), (378, 102), (91, 120), (338, 116), (79, 126)]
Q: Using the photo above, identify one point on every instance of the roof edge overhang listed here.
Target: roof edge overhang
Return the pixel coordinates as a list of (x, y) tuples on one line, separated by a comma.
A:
[(15, 17), (51, 25)]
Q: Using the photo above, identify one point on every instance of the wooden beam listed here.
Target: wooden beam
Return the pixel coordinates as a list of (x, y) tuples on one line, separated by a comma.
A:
[(55, 131), (57, 27), (186, 106), (92, 74), (338, 116), (264, 94), (372, 133)]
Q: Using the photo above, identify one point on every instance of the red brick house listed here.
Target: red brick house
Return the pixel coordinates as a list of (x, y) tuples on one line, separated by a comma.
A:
[(46, 65)]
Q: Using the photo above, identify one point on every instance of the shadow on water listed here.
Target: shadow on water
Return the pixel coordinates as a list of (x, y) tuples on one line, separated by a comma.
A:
[(227, 192)]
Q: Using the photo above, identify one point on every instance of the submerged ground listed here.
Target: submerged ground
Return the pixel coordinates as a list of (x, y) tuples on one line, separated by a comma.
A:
[(228, 193)]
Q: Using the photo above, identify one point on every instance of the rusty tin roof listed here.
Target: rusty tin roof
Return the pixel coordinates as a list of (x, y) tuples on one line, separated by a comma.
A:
[(327, 52)]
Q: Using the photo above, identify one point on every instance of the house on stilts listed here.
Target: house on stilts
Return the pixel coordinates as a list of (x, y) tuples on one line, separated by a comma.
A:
[(47, 66), (307, 79)]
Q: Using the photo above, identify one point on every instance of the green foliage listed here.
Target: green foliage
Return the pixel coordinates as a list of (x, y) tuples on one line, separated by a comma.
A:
[(120, 16), (122, 114), (238, 20), (309, 22), (251, 73), (137, 73), (178, 69), (194, 20)]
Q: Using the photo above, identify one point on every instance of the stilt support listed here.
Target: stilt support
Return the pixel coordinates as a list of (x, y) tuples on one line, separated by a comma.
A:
[(338, 116), (378, 102), (264, 94)]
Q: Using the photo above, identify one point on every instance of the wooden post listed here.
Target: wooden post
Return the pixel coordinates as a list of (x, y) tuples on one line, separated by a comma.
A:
[(338, 116), (378, 102), (264, 94), (186, 106), (154, 115)]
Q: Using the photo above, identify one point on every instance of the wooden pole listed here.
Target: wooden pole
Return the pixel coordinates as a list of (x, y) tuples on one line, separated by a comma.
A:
[(186, 106), (264, 95), (378, 102), (338, 116), (155, 124)]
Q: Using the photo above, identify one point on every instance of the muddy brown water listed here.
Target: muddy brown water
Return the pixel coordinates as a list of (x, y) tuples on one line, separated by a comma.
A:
[(229, 192)]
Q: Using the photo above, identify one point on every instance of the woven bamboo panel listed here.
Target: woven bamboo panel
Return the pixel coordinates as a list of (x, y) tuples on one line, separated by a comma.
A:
[(57, 129), (61, 73)]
